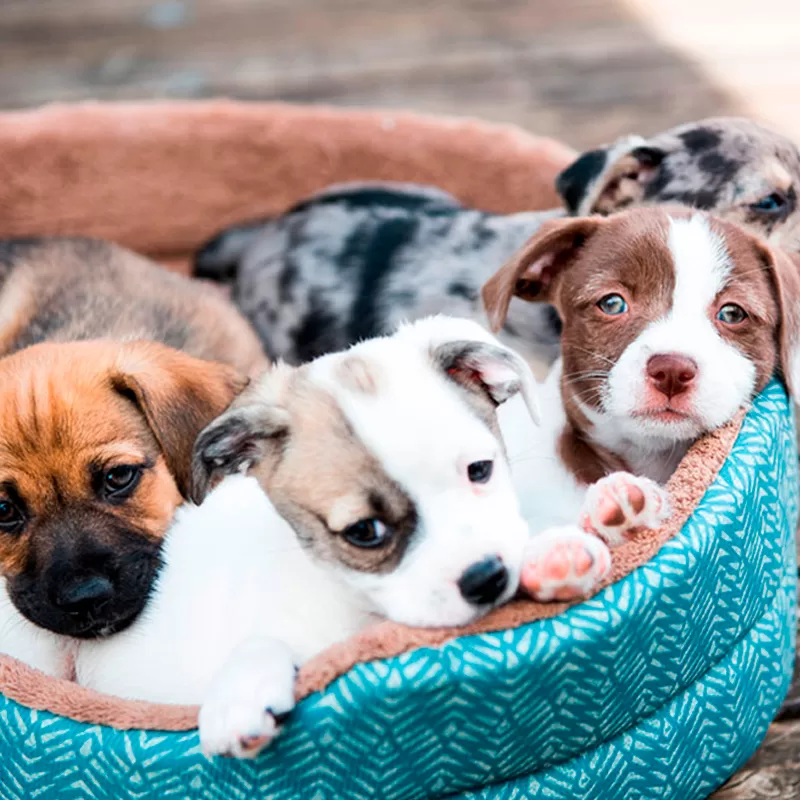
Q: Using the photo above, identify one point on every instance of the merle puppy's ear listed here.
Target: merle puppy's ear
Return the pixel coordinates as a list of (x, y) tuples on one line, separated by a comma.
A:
[(574, 182), (531, 272), (236, 441), (609, 179), (495, 370)]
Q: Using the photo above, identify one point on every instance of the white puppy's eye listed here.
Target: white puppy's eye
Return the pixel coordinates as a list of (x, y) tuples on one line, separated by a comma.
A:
[(366, 533), (480, 471), (612, 304), (731, 314)]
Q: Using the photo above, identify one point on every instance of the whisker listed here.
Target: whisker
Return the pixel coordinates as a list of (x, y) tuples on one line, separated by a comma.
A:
[(595, 354)]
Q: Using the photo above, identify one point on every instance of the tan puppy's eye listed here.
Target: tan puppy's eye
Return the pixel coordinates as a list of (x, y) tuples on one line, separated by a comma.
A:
[(367, 533), (118, 483), (12, 519)]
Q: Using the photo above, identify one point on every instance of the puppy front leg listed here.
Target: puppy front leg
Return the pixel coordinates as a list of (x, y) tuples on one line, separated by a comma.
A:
[(249, 700), (563, 563), (620, 503)]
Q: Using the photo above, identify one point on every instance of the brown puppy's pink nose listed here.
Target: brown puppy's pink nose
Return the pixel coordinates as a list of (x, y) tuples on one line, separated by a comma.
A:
[(671, 374)]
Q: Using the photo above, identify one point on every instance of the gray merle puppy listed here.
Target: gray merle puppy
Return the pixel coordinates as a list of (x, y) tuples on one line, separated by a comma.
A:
[(355, 260)]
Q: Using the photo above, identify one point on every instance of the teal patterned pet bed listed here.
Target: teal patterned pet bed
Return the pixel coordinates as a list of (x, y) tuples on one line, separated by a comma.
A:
[(661, 686)]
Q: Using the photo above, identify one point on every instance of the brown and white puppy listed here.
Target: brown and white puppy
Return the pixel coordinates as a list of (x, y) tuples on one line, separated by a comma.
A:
[(112, 366), (673, 320)]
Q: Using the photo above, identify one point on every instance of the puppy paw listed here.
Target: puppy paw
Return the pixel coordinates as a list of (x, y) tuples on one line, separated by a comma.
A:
[(621, 502), (564, 564), (248, 702)]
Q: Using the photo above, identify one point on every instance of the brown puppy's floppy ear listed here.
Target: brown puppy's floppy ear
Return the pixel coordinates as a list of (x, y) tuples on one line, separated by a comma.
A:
[(529, 273), (178, 395), (784, 271), (234, 442)]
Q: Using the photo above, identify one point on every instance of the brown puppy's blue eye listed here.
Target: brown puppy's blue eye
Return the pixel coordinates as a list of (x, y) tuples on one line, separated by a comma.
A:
[(612, 304), (480, 471), (731, 314), (771, 204), (367, 533), (11, 518)]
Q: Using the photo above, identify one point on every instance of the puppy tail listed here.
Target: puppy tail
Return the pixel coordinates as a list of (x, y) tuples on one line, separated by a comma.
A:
[(218, 259)]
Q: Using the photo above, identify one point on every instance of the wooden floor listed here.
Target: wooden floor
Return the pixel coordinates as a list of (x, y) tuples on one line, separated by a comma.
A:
[(585, 71)]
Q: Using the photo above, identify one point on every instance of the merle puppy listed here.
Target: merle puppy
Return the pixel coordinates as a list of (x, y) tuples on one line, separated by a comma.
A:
[(355, 260)]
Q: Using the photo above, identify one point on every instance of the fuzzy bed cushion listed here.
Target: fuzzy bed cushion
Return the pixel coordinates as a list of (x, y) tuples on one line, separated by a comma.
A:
[(661, 685)]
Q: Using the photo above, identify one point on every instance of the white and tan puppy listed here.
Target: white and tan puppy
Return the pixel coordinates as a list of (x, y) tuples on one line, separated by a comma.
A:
[(390, 497)]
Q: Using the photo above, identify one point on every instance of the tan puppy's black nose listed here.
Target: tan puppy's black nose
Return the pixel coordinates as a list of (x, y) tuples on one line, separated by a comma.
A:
[(672, 374), (484, 581), (84, 594)]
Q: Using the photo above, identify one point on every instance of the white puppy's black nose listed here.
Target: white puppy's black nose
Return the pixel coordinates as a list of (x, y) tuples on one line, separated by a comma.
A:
[(484, 581)]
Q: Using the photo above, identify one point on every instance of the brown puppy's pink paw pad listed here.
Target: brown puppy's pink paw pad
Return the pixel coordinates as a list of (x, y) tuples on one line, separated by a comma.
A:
[(564, 564), (622, 502)]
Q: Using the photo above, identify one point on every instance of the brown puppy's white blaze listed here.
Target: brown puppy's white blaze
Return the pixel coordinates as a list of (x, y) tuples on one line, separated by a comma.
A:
[(95, 443), (671, 320)]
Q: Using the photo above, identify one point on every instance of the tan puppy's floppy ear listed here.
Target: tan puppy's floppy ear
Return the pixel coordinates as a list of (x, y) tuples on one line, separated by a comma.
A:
[(784, 271), (529, 273), (178, 395)]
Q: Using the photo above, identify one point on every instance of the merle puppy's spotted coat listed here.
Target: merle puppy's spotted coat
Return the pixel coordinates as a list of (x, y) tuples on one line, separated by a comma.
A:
[(355, 260)]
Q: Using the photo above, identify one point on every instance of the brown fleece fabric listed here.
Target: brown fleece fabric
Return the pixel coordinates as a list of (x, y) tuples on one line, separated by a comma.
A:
[(162, 178), (687, 486)]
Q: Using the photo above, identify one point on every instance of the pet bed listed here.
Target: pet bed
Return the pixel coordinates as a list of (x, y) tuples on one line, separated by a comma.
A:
[(661, 685)]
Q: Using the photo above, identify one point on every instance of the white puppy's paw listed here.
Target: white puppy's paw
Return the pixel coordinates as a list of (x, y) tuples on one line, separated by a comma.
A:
[(249, 700), (564, 564), (621, 502)]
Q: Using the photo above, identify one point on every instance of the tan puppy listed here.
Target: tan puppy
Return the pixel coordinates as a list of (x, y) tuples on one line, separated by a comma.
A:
[(96, 435)]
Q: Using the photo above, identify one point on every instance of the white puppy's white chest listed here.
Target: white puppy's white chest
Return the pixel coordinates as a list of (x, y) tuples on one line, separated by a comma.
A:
[(243, 574)]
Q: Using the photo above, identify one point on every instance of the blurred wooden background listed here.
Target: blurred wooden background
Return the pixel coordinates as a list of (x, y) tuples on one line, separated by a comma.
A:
[(584, 71)]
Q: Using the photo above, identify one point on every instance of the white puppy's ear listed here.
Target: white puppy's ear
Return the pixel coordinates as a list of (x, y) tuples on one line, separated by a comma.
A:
[(235, 441), (530, 273), (497, 371)]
